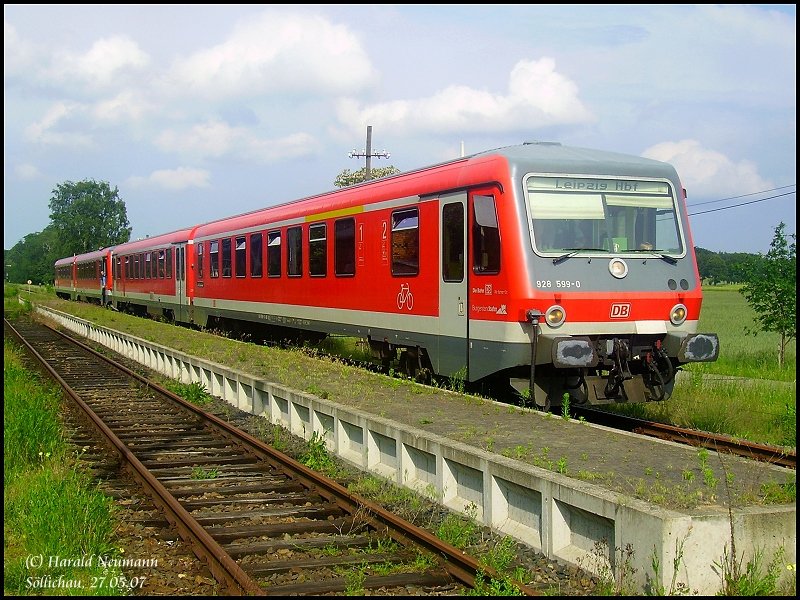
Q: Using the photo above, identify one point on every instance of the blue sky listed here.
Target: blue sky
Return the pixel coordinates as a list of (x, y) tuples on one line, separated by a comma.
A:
[(197, 112)]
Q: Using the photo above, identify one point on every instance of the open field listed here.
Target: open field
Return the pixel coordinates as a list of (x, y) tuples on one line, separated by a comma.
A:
[(726, 312)]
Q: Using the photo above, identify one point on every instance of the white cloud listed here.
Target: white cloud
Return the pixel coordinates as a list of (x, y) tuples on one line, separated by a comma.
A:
[(44, 131), (215, 139), (124, 106), (17, 52), (275, 54), (537, 96), (173, 179), (103, 66), (705, 172), (27, 171)]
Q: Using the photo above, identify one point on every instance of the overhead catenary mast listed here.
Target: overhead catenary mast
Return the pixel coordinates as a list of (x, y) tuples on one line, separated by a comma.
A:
[(367, 154)]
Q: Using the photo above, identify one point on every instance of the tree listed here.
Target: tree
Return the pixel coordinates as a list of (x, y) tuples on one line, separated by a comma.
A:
[(348, 177), (770, 289), (88, 215), (33, 257), (711, 266)]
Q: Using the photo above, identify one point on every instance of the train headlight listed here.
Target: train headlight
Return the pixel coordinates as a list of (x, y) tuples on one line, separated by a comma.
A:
[(618, 268), (555, 316), (678, 314)]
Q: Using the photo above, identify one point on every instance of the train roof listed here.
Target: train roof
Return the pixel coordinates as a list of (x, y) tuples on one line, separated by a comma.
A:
[(156, 241), (554, 157), (94, 255), (475, 169)]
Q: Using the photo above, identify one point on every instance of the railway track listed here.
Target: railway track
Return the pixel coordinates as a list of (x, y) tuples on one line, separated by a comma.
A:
[(777, 455), (263, 523)]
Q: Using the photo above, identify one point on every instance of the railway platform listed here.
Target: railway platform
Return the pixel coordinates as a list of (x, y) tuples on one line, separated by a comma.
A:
[(579, 493)]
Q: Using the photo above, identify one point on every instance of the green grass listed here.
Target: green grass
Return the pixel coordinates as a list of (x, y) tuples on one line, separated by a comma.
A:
[(744, 393), (52, 510), (726, 313)]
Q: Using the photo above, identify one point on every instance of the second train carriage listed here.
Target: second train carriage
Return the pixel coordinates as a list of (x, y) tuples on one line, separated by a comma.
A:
[(150, 276), (580, 258), (85, 277)]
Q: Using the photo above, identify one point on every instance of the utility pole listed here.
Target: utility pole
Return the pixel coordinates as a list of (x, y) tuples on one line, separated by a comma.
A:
[(368, 153)]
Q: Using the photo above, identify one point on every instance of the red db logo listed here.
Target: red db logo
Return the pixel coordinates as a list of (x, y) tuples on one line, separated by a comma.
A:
[(620, 311)]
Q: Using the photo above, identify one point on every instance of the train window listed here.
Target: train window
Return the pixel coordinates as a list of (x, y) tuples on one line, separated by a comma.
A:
[(405, 242), (317, 250), (603, 215), (241, 257), (485, 236), (453, 242), (255, 255), (161, 264), (294, 251), (274, 253), (168, 263), (200, 249), (147, 266), (117, 268), (127, 267), (179, 263), (213, 258), (226, 257), (344, 234)]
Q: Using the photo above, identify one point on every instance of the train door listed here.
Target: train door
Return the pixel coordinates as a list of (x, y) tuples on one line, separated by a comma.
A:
[(181, 312), (453, 325)]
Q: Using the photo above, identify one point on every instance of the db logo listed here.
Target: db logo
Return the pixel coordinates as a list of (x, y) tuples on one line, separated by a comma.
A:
[(620, 311)]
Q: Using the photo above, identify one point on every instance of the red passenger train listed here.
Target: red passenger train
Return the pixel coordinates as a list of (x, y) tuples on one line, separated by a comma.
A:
[(581, 259)]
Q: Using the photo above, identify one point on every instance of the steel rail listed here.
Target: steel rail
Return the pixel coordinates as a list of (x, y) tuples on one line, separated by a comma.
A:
[(784, 457), (221, 565), (777, 455)]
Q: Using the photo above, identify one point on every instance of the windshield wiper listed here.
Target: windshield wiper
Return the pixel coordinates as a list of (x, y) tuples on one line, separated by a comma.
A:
[(662, 256), (573, 252)]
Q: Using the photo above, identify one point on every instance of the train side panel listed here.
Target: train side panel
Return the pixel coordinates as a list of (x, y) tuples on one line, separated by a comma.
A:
[(151, 276), (64, 281), (364, 262)]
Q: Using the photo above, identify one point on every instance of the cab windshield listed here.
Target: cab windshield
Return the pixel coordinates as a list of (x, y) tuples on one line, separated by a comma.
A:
[(571, 214)]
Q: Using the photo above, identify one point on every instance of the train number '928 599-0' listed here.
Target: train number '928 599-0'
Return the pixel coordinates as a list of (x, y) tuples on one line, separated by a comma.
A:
[(539, 268)]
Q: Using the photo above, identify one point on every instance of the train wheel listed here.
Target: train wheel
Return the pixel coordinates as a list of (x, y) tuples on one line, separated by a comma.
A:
[(403, 364)]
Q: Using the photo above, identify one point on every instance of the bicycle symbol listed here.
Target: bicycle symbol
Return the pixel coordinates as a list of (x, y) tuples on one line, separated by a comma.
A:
[(405, 297)]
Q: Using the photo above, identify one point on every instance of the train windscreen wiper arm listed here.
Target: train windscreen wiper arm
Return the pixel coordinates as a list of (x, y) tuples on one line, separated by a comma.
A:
[(573, 252), (662, 256)]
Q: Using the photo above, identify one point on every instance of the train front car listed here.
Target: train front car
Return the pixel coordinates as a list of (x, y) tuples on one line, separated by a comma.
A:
[(613, 292)]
